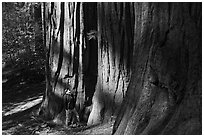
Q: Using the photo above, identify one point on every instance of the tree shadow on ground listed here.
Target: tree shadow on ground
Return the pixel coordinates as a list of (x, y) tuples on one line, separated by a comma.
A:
[(20, 97), (16, 88)]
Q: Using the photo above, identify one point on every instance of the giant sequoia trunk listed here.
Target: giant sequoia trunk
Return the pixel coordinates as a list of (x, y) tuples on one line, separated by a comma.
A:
[(67, 64), (164, 94), (137, 62), (115, 43)]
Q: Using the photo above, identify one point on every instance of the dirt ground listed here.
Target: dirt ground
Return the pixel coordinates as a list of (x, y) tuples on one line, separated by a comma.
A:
[(20, 102)]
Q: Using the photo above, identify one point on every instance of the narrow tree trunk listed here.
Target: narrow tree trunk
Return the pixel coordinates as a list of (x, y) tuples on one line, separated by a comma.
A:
[(38, 31)]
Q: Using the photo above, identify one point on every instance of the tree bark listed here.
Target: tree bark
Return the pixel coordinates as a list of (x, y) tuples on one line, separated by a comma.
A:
[(137, 62), (164, 94), (66, 48), (115, 41)]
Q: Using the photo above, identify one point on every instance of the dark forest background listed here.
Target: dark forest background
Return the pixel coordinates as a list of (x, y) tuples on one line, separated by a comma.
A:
[(22, 41), (23, 69)]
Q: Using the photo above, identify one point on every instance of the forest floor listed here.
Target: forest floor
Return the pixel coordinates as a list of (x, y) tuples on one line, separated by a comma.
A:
[(20, 102)]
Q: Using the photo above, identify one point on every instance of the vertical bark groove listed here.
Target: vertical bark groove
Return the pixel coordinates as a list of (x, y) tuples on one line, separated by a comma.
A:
[(61, 31)]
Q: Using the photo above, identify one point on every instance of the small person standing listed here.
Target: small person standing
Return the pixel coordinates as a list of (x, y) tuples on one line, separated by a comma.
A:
[(71, 114)]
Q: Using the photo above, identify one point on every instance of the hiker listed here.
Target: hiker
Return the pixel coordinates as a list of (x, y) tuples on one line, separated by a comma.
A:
[(72, 116)]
